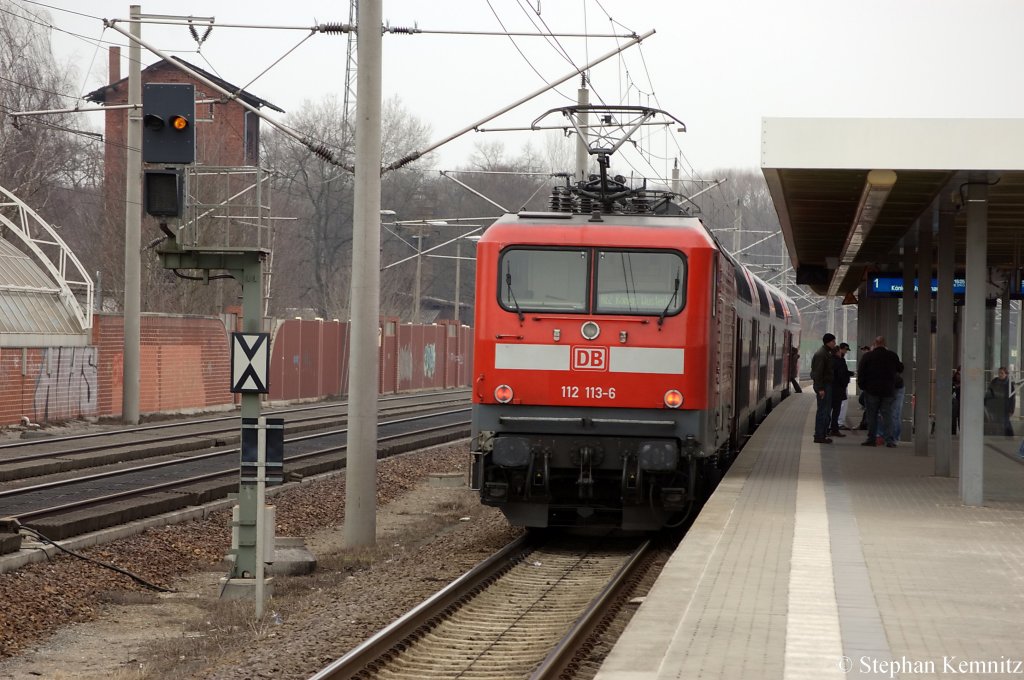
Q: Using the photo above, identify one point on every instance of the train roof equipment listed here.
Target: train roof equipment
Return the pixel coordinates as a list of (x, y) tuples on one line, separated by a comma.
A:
[(607, 129)]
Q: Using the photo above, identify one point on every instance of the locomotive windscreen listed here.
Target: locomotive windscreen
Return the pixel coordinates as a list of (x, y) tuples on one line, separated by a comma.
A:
[(640, 282), (644, 282), (546, 280)]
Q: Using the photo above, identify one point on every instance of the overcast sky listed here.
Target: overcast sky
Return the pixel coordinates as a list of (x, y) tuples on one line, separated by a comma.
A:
[(717, 65)]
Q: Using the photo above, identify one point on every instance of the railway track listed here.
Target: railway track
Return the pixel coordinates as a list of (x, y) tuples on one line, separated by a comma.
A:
[(33, 457), (66, 505), (525, 612)]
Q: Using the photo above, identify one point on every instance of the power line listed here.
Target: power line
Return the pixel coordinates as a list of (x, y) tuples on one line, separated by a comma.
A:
[(61, 9)]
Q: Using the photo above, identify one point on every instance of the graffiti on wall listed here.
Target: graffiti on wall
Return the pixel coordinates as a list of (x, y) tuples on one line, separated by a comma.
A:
[(405, 363), (429, 360), (67, 384)]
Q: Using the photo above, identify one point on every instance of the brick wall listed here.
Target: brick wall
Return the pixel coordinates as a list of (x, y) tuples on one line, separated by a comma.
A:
[(18, 369), (184, 363)]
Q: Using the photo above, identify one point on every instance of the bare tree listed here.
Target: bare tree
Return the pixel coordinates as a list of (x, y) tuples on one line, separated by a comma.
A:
[(36, 154), (47, 161), (313, 259)]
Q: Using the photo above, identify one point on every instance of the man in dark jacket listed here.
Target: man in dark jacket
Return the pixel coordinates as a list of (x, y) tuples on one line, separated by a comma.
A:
[(822, 374), (840, 385), (876, 375)]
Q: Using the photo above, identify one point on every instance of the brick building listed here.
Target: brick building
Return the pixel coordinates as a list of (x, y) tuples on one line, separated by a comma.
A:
[(226, 133)]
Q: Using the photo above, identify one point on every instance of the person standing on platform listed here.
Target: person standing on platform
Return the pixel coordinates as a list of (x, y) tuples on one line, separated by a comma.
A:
[(840, 385), (863, 425), (821, 377), (876, 375), (956, 399), (895, 416), (1000, 404)]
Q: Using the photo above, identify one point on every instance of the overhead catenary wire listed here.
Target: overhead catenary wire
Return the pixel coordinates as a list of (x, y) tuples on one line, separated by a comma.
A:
[(417, 154)]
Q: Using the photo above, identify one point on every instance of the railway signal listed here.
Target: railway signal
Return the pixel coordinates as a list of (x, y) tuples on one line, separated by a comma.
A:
[(163, 193), (168, 132)]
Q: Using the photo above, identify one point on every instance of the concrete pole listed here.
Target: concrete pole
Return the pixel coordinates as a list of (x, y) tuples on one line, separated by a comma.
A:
[(867, 322), (944, 346), (133, 232), (1004, 325), (583, 141), (923, 354), (1020, 350), (361, 458), (737, 234), (972, 375), (906, 324), (458, 270), (990, 361), (419, 277), (846, 323), (677, 185)]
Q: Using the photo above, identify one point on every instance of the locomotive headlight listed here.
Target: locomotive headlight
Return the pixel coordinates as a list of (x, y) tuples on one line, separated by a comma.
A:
[(503, 394), (658, 456), (511, 452), (673, 399), (590, 330)]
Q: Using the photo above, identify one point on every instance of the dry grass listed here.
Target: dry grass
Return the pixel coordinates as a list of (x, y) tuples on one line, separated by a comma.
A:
[(230, 626), (225, 626)]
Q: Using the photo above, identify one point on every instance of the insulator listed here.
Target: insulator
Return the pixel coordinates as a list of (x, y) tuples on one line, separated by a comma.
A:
[(403, 29), (335, 27), (586, 205), (568, 201), (554, 200), (560, 200), (320, 149)]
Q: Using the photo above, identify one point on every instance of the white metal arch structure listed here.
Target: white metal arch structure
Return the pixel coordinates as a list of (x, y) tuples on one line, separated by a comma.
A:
[(19, 281)]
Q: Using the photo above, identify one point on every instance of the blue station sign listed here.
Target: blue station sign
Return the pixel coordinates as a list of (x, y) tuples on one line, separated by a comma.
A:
[(892, 286)]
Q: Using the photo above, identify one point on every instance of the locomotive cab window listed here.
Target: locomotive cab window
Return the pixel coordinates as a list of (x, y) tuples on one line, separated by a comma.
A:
[(640, 282), (543, 280)]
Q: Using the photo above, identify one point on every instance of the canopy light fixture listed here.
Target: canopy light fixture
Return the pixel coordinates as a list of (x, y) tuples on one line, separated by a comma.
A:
[(876, 190)]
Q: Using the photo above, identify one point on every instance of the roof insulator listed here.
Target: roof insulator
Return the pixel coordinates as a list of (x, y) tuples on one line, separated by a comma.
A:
[(335, 27)]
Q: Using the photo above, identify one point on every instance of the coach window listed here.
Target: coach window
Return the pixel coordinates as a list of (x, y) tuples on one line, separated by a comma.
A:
[(778, 306), (543, 280), (640, 282), (763, 296), (742, 287)]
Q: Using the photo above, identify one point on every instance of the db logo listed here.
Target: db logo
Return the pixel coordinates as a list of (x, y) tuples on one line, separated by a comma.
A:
[(590, 358)]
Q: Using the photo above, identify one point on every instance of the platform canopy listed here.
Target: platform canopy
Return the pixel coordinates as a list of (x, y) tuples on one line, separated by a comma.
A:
[(45, 293), (848, 189)]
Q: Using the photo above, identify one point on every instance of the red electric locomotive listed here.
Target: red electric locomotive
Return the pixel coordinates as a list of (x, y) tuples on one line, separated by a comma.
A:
[(621, 356)]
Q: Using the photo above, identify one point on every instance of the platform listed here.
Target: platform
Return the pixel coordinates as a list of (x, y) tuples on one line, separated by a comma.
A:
[(838, 560)]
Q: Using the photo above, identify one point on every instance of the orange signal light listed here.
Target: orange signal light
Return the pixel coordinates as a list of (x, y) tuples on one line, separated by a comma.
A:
[(179, 122), (673, 399), (503, 394)]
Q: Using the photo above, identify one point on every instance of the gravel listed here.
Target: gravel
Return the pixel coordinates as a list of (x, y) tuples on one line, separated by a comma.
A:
[(426, 536)]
